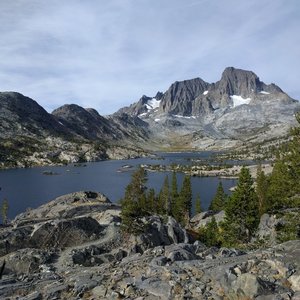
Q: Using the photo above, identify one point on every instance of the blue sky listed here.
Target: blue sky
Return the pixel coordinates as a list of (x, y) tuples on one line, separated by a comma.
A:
[(107, 54)]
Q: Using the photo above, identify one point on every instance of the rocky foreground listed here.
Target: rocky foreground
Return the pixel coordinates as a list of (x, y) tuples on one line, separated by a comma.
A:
[(73, 248)]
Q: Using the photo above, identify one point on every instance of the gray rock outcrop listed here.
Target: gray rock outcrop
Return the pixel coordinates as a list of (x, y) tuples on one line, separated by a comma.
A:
[(81, 253)]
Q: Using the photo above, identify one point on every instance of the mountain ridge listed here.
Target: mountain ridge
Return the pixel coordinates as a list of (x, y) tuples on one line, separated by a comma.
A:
[(201, 115), (190, 115)]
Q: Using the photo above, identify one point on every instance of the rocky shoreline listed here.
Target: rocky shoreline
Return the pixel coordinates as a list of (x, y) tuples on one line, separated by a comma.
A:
[(206, 170), (73, 248)]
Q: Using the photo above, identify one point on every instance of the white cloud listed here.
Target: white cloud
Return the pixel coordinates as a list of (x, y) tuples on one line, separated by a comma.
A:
[(106, 54)]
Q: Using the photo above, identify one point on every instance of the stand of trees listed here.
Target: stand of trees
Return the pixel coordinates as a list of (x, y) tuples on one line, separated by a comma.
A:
[(139, 202), (277, 193)]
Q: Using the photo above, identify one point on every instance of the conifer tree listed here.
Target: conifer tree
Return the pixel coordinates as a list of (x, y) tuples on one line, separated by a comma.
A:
[(241, 213), (219, 201), (133, 203), (262, 190), (284, 182), (292, 157), (152, 201), (209, 234), (198, 208), (184, 202), (174, 194), (4, 211), (280, 186), (164, 198)]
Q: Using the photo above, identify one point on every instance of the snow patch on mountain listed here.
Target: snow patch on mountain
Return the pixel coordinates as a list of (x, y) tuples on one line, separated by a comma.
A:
[(152, 104), (239, 100), (205, 92), (185, 117), (142, 115), (265, 93)]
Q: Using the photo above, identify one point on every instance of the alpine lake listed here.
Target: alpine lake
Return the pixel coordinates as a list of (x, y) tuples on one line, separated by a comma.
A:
[(32, 187)]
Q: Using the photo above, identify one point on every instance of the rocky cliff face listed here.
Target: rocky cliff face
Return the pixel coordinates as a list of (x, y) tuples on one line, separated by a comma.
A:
[(72, 247)]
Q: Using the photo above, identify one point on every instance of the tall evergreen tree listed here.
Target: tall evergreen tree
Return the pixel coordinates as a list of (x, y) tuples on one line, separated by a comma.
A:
[(280, 186), (184, 202), (164, 198), (198, 208), (219, 201), (174, 193), (133, 203), (4, 211), (262, 190), (152, 203), (284, 182), (292, 157), (241, 213), (209, 234)]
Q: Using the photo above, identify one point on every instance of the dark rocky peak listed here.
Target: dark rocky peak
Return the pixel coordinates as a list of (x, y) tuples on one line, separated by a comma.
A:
[(144, 99), (93, 112), (239, 82), (177, 99), (84, 122), (21, 105), (24, 116), (70, 110), (159, 95), (272, 88), (243, 83), (144, 105)]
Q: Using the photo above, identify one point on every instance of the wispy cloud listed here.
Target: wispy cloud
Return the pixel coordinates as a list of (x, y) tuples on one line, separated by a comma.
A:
[(106, 54)]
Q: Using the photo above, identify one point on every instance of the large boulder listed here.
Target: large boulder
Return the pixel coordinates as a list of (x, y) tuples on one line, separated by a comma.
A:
[(66, 206), (66, 233), (158, 233), (26, 261), (267, 228), (205, 217)]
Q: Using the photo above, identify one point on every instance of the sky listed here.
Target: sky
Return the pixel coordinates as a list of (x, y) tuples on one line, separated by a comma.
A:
[(107, 54)]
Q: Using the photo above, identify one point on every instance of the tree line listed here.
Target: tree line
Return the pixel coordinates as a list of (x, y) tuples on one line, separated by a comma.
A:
[(139, 201)]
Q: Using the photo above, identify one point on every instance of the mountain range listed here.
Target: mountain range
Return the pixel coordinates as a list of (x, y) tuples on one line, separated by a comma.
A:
[(192, 114)]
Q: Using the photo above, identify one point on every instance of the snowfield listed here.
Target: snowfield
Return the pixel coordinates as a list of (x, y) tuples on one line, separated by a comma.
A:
[(153, 104), (239, 100)]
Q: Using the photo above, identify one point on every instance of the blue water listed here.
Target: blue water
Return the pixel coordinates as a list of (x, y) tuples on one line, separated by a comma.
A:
[(24, 188)]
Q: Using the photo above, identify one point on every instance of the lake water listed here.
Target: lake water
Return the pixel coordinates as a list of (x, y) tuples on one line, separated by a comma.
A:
[(24, 188)]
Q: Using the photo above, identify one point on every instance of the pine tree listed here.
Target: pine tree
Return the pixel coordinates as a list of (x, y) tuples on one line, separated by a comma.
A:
[(209, 234), (292, 157), (241, 213), (184, 201), (198, 208), (219, 201), (174, 194), (262, 190), (280, 186), (164, 198), (152, 204), (4, 211), (133, 203), (284, 182)]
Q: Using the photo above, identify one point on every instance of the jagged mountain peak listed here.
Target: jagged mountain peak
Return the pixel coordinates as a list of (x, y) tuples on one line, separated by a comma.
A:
[(242, 82)]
